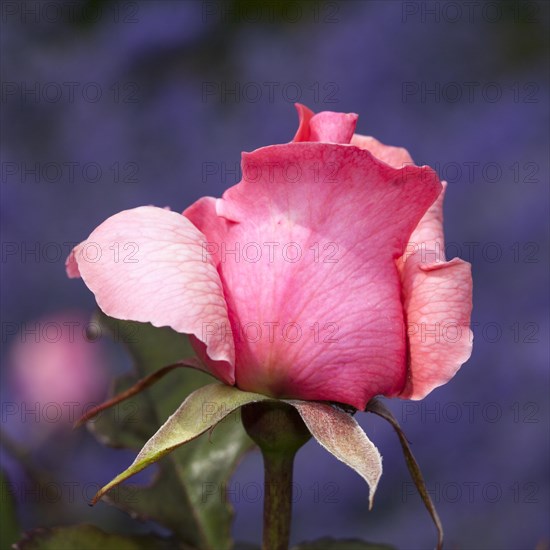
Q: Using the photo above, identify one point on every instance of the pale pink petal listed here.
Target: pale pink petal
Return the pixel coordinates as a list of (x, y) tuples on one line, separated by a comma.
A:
[(428, 234), (398, 157), (335, 314), (427, 238), (72, 267), (147, 264), (438, 303)]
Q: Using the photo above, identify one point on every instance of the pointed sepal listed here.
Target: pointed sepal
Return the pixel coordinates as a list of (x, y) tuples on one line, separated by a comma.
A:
[(377, 407), (202, 410), (340, 434)]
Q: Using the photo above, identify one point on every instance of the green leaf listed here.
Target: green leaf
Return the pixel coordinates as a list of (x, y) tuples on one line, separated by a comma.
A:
[(129, 424), (338, 432), (150, 347), (343, 544), (88, 537), (9, 533), (187, 494), (202, 410)]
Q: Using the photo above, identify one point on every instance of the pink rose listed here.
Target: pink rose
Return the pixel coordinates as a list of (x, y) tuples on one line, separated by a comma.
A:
[(57, 372), (313, 278)]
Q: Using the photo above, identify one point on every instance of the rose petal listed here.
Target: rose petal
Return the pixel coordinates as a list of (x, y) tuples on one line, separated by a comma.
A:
[(428, 234), (335, 314), (325, 127), (147, 264), (329, 127), (438, 304), (397, 157), (304, 115), (203, 214)]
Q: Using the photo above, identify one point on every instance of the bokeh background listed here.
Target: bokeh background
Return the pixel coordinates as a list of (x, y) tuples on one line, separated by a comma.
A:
[(110, 105)]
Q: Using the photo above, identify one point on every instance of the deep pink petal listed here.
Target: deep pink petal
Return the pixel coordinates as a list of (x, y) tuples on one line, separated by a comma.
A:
[(328, 326), (148, 264), (438, 303), (428, 234), (329, 127), (203, 213), (325, 127), (304, 115)]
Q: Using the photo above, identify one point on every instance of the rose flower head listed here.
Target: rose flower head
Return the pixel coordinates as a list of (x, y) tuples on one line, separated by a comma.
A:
[(320, 276)]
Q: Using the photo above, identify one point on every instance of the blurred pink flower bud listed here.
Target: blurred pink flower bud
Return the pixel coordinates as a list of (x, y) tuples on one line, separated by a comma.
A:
[(57, 370)]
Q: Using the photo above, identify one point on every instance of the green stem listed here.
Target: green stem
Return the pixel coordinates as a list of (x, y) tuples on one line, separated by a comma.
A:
[(277, 500), (279, 431)]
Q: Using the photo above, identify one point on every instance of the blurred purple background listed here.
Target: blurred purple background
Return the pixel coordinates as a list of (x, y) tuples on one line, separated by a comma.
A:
[(111, 105)]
